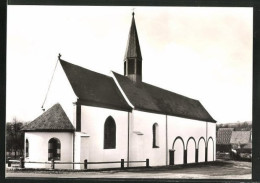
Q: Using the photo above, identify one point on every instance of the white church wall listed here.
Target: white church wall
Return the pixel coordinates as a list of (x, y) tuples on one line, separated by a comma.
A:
[(201, 150), (61, 92), (141, 135), (178, 152), (191, 151), (38, 149), (77, 149), (81, 149), (92, 147), (184, 129), (212, 143)]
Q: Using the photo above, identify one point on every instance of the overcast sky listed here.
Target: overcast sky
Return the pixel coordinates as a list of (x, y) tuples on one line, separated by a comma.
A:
[(202, 53)]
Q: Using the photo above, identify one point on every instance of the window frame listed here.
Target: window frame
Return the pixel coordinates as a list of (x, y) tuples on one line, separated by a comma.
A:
[(55, 151), (155, 133), (26, 148), (109, 133)]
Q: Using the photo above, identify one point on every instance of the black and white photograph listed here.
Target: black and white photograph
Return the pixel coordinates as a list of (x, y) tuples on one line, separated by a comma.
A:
[(133, 92)]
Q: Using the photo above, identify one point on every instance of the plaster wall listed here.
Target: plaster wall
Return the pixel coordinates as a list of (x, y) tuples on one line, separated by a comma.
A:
[(191, 151), (201, 150), (38, 148), (212, 144), (178, 152), (92, 147), (185, 129), (141, 138)]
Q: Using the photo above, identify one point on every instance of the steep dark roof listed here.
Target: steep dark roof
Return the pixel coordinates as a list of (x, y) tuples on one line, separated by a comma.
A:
[(133, 47), (93, 88), (240, 137), (147, 97), (54, 119), (224, 135)]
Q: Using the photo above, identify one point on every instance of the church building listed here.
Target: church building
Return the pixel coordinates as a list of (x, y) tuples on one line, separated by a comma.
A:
[(108, 118)]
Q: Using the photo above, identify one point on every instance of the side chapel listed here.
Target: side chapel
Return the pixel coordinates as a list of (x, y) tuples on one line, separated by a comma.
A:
[(107, 118)]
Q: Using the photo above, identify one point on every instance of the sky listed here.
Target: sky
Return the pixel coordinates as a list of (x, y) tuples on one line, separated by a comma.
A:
[(199, 52)]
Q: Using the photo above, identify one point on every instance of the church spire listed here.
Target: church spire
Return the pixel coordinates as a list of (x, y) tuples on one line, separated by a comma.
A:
[(133, 56)]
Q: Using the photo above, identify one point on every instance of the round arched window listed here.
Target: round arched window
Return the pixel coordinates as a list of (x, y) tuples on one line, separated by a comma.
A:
[(155, 136), (54, 149)]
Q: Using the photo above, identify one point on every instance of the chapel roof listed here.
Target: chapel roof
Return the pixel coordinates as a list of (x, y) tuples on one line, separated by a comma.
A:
[(54, 120), (224, 135), (150, 98), (93, 88)]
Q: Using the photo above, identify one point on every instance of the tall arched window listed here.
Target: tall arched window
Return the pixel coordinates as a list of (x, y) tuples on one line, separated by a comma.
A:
[(26, 148), (155, 136), (110, 133), (54, 149)]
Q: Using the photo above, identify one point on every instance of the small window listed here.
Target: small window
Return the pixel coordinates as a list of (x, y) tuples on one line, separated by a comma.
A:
[(26, 148), (54, 149), (155, 136), (110, 133)]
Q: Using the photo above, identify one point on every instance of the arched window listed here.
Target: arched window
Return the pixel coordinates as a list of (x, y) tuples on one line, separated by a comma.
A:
[(26, 148), (155, 136), (110, 133), (54, 149)]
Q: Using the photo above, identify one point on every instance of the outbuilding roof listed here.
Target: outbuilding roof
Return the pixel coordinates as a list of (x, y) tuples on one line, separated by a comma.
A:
[(224, 135), (150, 98), (240, 137), (54, 119), (248, 146), (93, 88)]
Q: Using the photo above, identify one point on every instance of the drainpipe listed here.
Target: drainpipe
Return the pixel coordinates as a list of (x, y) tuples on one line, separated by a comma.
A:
[(128, 121), (166, 141), (73, 151)]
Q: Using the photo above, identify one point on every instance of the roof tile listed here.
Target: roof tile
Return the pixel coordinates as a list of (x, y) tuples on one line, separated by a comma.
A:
[(54, 119), (154, 99), (240, 137), (93, 88), (224, 135)]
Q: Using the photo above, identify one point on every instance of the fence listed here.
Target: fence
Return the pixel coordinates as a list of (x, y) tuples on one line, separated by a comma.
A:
[(21, 162)]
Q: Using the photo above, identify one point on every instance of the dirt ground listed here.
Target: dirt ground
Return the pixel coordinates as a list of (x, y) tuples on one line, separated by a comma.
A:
[(214, 170)]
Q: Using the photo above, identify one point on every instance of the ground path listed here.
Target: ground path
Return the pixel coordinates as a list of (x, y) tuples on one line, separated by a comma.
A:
[(216, 170)]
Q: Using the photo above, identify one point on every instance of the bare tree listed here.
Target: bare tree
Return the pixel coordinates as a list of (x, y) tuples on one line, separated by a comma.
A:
[(14, 137)]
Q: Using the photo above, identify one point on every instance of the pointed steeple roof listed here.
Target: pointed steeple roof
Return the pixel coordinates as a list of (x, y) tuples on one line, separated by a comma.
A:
[(133, 48)]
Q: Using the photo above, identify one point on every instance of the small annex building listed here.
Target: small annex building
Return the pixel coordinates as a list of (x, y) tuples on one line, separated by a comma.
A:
[(107, 118)]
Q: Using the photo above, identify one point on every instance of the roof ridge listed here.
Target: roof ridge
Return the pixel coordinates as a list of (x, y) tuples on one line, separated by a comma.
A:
[(160, 88)]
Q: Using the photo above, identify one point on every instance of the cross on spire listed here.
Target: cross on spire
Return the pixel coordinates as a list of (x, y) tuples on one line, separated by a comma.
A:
[(133, 9)]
